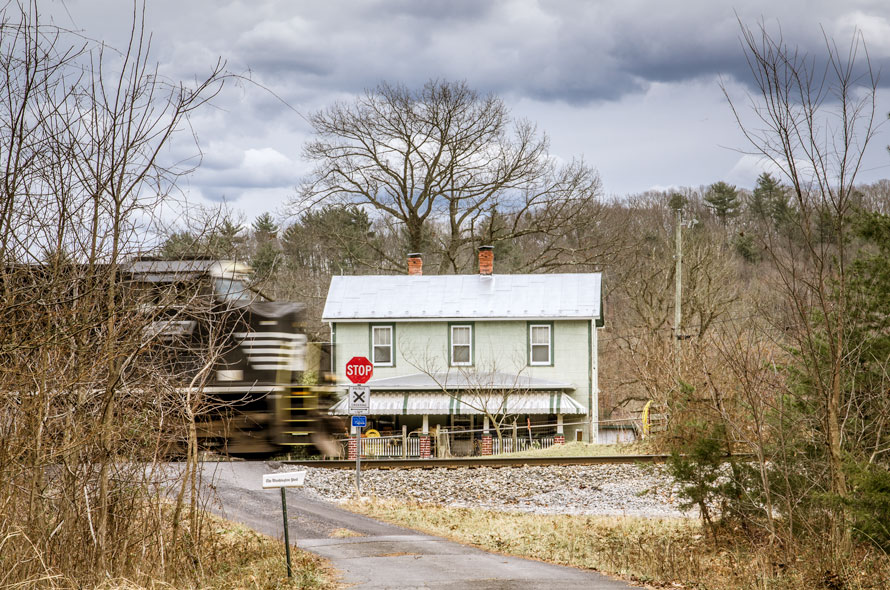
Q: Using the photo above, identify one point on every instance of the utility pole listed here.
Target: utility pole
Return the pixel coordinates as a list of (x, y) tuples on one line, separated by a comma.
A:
[(676, 204), (678, 284)]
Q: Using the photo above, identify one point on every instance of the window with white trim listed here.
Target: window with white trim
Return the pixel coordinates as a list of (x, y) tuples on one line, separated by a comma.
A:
[(382, 346), (461, 345), (540, 340)]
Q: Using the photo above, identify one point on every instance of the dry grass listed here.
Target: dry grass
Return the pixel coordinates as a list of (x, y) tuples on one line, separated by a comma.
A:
[(582, 449), (345, 534), (243, 558), (225, 556), (661, 552)]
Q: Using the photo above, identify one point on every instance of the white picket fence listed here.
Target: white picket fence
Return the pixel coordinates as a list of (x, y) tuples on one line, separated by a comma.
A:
[(521, 444), (391, 446)]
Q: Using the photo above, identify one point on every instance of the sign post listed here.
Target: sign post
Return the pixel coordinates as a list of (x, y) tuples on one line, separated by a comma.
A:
[(358, 422), (285, 480), (359, 370)]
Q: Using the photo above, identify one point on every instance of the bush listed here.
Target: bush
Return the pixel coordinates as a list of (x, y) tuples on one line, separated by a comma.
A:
[(696, 464), (869, 504)]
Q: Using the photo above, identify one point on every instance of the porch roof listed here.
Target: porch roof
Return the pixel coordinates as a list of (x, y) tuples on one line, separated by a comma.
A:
[(457, 381)]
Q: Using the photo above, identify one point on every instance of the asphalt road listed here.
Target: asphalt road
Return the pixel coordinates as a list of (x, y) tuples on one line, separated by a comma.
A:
[(384, 556)]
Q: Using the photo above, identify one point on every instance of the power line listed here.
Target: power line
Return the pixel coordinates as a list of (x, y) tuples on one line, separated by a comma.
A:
[(671, 329)]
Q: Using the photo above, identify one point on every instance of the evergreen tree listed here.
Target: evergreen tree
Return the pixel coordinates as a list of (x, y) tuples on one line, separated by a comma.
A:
[(723, 199), (769, 200), (227, 240), (676, 201), (264, 228), (331, 239), (180, 245), (266, 249)]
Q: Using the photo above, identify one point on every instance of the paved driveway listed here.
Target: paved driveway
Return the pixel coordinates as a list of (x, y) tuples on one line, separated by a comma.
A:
[(385, 556)]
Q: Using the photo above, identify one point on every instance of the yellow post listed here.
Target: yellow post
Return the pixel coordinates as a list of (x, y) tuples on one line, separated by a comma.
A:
[(645, 418)]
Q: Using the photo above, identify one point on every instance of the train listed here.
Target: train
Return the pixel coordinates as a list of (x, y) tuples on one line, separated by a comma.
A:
[(261, 387)]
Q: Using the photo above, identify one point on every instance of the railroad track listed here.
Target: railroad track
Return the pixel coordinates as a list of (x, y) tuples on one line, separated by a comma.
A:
[(475, 462)]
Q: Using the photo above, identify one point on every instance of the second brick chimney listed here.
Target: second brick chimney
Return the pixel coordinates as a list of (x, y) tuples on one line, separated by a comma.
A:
[(415, 264), (486, 260)]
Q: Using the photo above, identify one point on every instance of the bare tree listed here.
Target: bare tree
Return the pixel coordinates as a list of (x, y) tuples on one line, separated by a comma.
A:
[(444, 162), (490, 389), (814, 121), (82, 132), (641, 335)]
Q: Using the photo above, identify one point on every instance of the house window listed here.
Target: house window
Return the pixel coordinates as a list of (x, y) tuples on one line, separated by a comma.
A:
[(540, 338), (382, 345), (461, 345)]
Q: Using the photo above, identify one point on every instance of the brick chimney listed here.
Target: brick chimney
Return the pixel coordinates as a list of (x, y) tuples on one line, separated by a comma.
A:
[(415, 264), (486, 260)]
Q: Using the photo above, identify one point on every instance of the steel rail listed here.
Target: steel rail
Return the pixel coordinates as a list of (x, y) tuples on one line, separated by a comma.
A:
[(475, 462)]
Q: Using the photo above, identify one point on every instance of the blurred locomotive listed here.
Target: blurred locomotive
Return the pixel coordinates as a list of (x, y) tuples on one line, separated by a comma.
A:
[(263, 388)]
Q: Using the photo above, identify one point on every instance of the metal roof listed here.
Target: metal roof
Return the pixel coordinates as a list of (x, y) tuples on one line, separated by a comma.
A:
[(160, 271), (538, 296), (418, 404), (460, 380)]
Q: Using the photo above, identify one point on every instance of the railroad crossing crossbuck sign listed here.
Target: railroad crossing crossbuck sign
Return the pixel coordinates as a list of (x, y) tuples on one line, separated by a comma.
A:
[(359, 399)]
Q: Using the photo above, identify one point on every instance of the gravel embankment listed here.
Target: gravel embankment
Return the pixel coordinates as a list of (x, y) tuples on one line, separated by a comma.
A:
[(636, 490)]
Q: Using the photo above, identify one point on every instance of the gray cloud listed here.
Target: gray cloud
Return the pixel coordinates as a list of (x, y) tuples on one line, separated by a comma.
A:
[(551, 50), (577, 58)]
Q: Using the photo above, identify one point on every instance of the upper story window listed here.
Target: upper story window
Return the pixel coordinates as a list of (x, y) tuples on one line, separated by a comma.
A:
[(382, 350), (540, 338), (461, 344)]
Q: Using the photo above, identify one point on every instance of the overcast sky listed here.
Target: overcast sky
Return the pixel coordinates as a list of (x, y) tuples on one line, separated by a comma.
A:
[(632, 87)]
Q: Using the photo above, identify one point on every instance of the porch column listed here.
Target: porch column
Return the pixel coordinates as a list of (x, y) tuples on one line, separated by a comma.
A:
[(486, 437), (560, 438), (425, 438)]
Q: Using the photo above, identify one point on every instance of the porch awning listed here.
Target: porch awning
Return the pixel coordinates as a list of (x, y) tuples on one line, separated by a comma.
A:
[(467, 381), (434, 404)]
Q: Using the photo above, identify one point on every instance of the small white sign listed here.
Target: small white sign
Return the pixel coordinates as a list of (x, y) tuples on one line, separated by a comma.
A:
[(289, 479), (359, 399)]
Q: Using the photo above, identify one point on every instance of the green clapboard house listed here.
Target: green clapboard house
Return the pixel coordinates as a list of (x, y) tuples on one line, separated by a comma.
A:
[(456, 350)]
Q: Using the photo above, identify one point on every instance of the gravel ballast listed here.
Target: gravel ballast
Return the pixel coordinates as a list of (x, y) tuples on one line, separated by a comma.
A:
[(633, 490)]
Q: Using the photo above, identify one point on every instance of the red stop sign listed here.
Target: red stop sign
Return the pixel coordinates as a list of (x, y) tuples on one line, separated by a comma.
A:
[(359, 369)]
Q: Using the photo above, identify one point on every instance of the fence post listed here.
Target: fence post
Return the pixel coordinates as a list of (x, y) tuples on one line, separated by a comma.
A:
[(515, 437)]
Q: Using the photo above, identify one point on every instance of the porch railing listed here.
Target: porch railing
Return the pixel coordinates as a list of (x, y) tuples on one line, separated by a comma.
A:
[(446, 444)]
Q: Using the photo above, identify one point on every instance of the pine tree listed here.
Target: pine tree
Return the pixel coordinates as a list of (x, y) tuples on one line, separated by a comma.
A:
[(723, 199), (180, 245), (227, 240), (266, 249), (264, 228), (769, 200)]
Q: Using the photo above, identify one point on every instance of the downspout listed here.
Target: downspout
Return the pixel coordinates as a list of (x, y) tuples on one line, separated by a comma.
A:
[(333, 349)]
